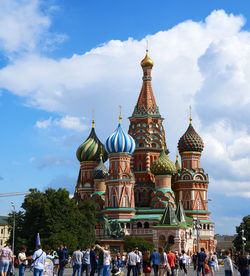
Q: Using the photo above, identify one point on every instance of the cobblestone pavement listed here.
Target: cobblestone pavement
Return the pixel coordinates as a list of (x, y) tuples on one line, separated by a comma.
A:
[(191, 272)]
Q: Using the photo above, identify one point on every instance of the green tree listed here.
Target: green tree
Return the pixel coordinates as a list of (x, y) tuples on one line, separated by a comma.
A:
[(58, 219), (245, 225), (132, 242)]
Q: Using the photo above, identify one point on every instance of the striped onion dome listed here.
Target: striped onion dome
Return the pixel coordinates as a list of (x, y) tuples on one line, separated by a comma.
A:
[(100, 170), (120, 141), (91, 149), (190, 141), (163, 165)]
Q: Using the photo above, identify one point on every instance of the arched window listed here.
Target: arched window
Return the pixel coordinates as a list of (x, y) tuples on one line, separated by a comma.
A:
[(122, 225), (128, 225), (139, 225), (171, 240), (188, 205), (146, 224), (141, 145), (208, 227), (204, 226), (137, 196), (153, 145)]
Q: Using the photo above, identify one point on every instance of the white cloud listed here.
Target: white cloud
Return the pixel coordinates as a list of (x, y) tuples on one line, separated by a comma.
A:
[(206, 64), (66, 122), (24, 28), (44, 123)]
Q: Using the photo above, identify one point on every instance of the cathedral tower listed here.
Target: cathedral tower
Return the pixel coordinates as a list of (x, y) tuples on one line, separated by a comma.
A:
[(191, 182), (119, 200), (147, 130), (88, 154)]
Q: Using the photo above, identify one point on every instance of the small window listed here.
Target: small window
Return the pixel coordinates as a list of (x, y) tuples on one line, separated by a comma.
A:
[(153, 145), (114, 201), (122, 225), (208, 227), (204, 226), (146, 224), (188, 205), (139, 225), (141, 145), (128, 225)]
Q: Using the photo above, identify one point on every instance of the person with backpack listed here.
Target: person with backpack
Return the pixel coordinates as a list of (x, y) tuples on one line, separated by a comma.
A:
[(38, 258), (86, 261), (201, 257), (62, 254)]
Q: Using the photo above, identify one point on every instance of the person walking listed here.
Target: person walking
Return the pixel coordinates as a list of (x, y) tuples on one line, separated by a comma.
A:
[(183, 262), (177, 262), (86, 261), (243, 264), (62, 255), (146, 263), (171, 260), (216, 262), (100, 261), (39, 258), (93, 263), (155, 259), (201, 257), (132, 259), (211, 263), (228, 265), (194, 260), (163, 262), (5, 256), (77, 261), (22, 261), (139, 261)]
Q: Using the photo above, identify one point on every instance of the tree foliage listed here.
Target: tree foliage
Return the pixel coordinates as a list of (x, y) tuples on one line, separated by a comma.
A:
[(132, 242), (245, 225), (57, 218)]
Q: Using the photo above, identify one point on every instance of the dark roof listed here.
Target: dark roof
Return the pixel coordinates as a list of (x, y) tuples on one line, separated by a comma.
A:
[(3, 220)]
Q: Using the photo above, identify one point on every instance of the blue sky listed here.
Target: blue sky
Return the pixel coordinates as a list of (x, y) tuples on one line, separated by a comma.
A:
[(61, 59)]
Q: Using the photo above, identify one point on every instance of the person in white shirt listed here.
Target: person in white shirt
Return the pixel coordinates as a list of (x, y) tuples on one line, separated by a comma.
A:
[(22, 261), (39, 258), (106, 259), (183, 261), (228, 265)]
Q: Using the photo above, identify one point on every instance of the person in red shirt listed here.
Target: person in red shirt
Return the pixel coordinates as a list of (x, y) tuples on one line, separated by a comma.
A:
[(171, 259)]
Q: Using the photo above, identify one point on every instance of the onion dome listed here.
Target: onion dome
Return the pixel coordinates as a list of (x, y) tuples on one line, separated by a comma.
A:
[(91, 149), (163, 165), (190, 141), (100, 170), (147, 61), (120, 141)]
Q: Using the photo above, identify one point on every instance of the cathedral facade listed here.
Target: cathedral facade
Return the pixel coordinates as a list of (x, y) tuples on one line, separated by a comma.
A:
[(143, 190)]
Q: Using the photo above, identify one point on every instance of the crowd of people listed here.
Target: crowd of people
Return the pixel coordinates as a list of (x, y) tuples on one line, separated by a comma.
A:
[(98, 259)]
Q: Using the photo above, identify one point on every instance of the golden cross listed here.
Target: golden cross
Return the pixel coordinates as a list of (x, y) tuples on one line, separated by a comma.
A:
[(93, 116), (120, 116), (190, 114)]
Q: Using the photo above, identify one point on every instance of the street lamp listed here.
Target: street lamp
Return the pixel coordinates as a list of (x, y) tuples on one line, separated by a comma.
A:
[(14, 225), (243, 240), (197, 227)]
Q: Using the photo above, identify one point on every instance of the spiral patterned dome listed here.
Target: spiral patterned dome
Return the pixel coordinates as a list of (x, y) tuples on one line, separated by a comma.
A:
[(120, 141), (91, 149), (100, 170), (163, 165), (190, 141)]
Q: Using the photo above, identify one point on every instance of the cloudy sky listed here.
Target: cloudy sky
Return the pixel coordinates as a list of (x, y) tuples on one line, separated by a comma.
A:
[(61, 59)]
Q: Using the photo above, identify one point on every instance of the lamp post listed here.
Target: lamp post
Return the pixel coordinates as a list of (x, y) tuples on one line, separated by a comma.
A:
[(243, 240), (14, 225), (197, 228)]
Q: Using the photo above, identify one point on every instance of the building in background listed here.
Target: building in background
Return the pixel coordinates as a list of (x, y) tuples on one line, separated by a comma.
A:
[(143, 190), (4, 231), (224, 242)]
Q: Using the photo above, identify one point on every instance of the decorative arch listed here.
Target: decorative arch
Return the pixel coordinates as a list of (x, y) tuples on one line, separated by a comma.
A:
[(146, 224)]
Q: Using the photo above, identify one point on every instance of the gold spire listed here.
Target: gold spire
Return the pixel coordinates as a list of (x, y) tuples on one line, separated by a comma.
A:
[(147, 61), (93, 115), (101, 154), (120, 116), (190, 114)]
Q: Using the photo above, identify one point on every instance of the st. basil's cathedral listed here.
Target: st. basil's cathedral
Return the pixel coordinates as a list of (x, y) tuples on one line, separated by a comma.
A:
[(144, 191)]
